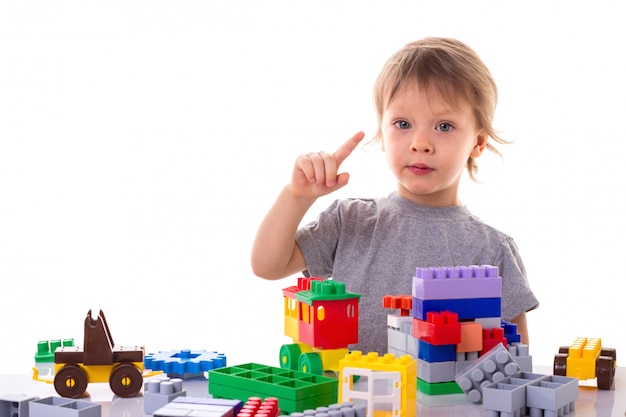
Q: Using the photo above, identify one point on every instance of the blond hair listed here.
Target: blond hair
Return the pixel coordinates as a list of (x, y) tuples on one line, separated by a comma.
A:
[(453, 69)]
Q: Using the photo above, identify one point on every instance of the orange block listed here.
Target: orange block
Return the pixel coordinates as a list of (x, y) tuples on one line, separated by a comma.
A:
[(471, 337)]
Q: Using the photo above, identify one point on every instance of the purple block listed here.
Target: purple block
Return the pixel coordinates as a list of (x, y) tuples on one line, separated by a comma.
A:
[(457, 282)]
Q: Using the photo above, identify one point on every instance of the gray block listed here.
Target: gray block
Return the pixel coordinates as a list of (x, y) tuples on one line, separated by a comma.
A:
[(555, 395), (493, 366), (433, 372), (63, 407), (15, 405), (159, 392)]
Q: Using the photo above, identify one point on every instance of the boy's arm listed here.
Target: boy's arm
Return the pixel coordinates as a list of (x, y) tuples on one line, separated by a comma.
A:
[(275, 253)]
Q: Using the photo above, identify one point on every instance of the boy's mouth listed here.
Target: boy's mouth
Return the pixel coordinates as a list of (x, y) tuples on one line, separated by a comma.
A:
[(420, 169)]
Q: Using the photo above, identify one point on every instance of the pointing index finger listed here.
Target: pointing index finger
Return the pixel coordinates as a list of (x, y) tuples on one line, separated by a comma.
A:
[(346, 149)]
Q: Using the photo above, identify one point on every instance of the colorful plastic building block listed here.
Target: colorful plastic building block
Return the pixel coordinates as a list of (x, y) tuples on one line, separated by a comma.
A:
[(184, 363), (494, 366), (98, 361), (196, 407), (345, 409), (15, 405), (400, 375), (457, 319), (587, 359), (63, 407), (159, 392), (322, 319), (439, 328), (295, 391), (257, 407), (531, 394), (46, 348)]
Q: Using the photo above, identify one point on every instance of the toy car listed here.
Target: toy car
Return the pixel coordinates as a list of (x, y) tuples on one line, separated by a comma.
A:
[(587, 359)]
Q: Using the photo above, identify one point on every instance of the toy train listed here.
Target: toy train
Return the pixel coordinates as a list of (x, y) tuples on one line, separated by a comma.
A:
[(322, 318)]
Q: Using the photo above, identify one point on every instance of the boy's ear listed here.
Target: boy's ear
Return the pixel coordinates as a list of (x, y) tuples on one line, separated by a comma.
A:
[(481, 143)]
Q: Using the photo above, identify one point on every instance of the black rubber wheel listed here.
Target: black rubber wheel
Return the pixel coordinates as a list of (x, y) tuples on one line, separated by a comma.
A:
[(560, 364), (605, 372), (71, 381), (126, 380)]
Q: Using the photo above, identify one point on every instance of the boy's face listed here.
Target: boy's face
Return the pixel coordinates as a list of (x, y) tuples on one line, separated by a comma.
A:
[(427, 143)]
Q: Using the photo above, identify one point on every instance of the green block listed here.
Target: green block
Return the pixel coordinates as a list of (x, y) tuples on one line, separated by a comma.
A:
[(45, 349), (292, 387), (438, 388)]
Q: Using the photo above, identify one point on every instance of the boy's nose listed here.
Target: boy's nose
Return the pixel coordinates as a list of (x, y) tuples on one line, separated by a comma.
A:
[(421, 144)]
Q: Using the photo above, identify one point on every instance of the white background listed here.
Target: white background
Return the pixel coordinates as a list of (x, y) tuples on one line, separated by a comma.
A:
[(141, 142)]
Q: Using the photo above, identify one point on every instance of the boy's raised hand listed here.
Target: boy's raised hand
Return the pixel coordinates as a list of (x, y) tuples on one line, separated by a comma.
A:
[(316, 174)]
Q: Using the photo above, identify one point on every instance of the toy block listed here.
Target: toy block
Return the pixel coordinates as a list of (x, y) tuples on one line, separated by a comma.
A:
[(400, 375), (195, 407), (471, 337), (466, 308), (184, 363), (256, 406), (396, 340), (507, 396), (346, 409), (438, 329), (493, 366), (554, 395), (436, 371), (536, 394), (581, 362), (46, 348), (510, 332), (397, 322), (294, 390), (438, 388), (520, 354), (489, 322), (432, 353), (462, 364), (390, 400), (159, 392), (63, 407), (491, 338), (458, 282), (15, 405), (399, 302)]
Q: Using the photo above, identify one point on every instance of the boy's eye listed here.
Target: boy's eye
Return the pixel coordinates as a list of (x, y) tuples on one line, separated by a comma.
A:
[(444, 127), (402, 124)]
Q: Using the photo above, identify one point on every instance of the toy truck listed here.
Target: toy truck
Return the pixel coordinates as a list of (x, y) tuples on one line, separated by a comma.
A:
[(587, 359), (98, 361)]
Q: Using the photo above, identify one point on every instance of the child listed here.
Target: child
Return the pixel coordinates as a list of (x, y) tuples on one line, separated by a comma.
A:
[(435, 102)]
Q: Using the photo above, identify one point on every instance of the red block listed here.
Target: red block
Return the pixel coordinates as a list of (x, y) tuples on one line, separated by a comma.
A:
[(439, 328)]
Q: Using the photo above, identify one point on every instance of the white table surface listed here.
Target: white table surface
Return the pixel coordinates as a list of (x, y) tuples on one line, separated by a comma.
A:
[(591, 401)]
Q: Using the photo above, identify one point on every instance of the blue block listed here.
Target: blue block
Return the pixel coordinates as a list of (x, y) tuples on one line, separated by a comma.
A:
[(432, 353), (184, 363), (510, 332), (467, 308)]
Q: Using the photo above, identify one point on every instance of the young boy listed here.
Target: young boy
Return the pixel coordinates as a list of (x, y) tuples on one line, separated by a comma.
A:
[(435, 102)]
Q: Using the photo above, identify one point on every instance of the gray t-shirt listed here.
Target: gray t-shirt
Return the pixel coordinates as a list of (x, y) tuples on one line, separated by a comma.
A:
[(375, 245)]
